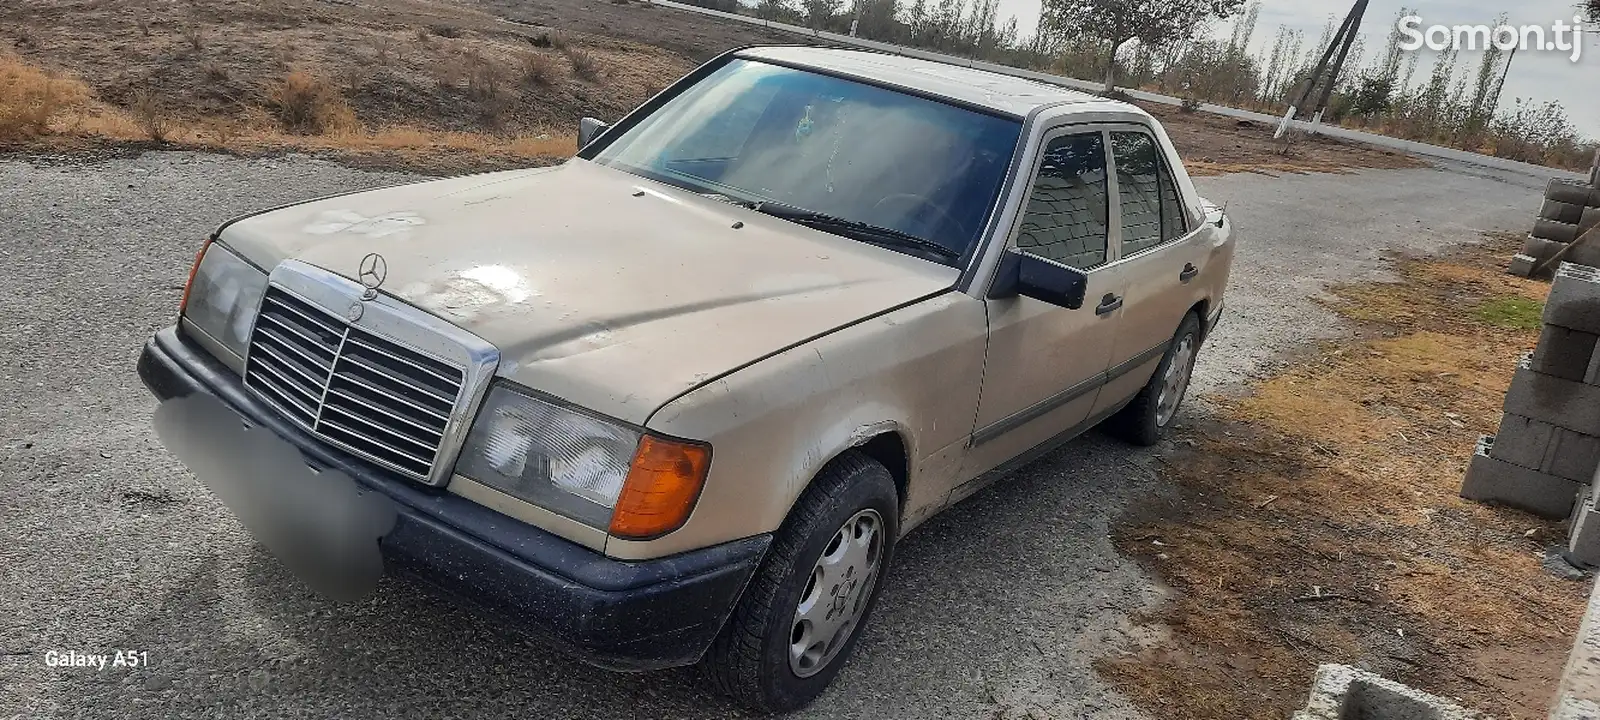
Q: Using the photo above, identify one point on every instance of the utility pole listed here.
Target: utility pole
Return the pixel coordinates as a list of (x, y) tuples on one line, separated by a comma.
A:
[(1500, 86), (1340, 44)]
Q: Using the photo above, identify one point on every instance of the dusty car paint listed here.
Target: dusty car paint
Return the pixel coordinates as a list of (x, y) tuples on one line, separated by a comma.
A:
[(617, 293), (779, 345), (916, 370)]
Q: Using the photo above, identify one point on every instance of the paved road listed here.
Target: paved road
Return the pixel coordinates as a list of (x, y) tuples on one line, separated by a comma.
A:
[(995, 609)]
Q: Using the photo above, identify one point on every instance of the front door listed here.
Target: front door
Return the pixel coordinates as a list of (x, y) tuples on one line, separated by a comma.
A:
[(1046, 363)]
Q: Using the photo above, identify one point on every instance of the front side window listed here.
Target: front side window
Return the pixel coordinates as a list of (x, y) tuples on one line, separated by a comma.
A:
[(760, 133), (1065, 219), (1151, 213)]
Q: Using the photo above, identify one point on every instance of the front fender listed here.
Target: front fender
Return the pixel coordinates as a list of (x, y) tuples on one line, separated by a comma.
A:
[(772, 426)]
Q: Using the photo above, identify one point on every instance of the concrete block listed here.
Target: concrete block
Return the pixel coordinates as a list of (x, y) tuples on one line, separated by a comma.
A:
[(1589, 219), (1584, 253), (1561, 232), (1541, 249), (1564, 403), (1341, 692), (1583, 535), (1574, 301), (1564, 353), (1523, 441), (1537, 445), (1561, 211), (1559, 402), (1522, 265), (1492, 480), (1592, 375), (1568, 191), (1573, 456)]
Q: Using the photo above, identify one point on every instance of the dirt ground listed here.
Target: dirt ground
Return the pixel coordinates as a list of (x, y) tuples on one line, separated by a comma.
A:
[(1218, 145), (1317, 520), (430, 85)]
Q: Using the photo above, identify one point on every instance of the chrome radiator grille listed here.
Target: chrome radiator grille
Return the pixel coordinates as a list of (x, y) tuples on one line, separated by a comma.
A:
[(373, 397)]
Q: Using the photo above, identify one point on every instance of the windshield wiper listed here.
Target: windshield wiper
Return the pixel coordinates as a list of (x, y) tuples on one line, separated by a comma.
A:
[(855, 229)]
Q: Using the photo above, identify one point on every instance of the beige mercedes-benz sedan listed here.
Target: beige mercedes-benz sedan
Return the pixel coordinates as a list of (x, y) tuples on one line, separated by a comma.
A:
[(675, 401)]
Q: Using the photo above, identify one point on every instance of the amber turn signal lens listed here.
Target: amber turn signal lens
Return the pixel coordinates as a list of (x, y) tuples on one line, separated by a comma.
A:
[(193, 269), (663, 484)]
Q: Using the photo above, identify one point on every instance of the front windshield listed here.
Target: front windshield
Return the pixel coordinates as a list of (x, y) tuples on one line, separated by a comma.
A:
[(756, 132)]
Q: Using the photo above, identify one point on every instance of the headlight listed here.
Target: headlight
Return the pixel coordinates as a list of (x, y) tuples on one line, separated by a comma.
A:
[(597, 471), (223, 296)]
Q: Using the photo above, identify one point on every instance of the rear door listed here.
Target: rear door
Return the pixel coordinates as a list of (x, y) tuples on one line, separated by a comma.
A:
[(1045, 363), (1162, 253)]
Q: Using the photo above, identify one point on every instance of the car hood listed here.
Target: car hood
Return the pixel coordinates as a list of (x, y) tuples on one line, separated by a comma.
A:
[(608, 290)]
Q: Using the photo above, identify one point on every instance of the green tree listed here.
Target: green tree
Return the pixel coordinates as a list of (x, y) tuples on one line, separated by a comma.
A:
[(820, 14), (1154, 23)]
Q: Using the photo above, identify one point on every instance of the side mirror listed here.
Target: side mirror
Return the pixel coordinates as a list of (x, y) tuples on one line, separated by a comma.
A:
[(588, 128), (1032, 276)]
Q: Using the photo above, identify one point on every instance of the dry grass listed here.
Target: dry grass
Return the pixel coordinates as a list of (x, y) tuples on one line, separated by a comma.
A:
[(214, 72), (40, 109), (485, 80), (308, 105), (1342, 473), (537, 69), (147, 112), (195, 37), (32, 99), (584, 64)]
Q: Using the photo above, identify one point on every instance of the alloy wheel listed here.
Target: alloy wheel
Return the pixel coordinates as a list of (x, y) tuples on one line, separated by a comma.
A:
[(836, 593)]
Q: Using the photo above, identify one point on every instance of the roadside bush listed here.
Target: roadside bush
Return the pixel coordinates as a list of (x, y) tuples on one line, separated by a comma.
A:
[(214, 71), (308, 105), (30, 98), (547, 40), (195, 36), (147, 112), (584, 65), (537, 69), (483, 77)]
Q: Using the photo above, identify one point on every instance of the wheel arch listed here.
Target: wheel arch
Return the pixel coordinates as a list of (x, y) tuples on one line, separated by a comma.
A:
[(1201, 310), (888, 448), (887, 443)]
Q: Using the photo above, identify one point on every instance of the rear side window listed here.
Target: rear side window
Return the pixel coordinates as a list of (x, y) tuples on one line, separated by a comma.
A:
[(1065, 220), (1147, 195)]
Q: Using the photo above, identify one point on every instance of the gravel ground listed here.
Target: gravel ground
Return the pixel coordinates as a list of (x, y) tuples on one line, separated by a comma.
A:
[(996, 608)]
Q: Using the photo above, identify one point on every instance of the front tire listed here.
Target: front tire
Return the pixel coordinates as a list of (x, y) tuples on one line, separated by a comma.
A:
[(1147, 417), (805, 607)]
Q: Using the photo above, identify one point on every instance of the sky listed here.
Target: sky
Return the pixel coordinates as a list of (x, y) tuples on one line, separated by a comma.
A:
[(1534, 75)]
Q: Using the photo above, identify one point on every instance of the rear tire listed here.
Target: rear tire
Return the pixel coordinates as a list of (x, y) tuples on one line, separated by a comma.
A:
[(804, 609), (1147, 417)]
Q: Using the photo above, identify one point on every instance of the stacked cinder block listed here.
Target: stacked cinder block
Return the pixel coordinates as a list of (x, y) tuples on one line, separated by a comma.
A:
[(1571, 208), (1341, 692), (1548, 445)]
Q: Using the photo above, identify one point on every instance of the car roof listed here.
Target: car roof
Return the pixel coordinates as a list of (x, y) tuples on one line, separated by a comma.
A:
[(970, 86)]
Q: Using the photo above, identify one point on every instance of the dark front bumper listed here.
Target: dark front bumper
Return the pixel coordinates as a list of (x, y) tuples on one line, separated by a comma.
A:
[(621, 615)]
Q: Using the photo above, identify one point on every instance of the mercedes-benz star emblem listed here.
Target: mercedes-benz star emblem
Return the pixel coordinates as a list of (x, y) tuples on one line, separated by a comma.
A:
[(353, 313), (374, 270)]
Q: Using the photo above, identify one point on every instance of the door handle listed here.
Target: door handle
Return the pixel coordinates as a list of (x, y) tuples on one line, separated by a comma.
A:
[(1189, 271), (1108, 304)]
